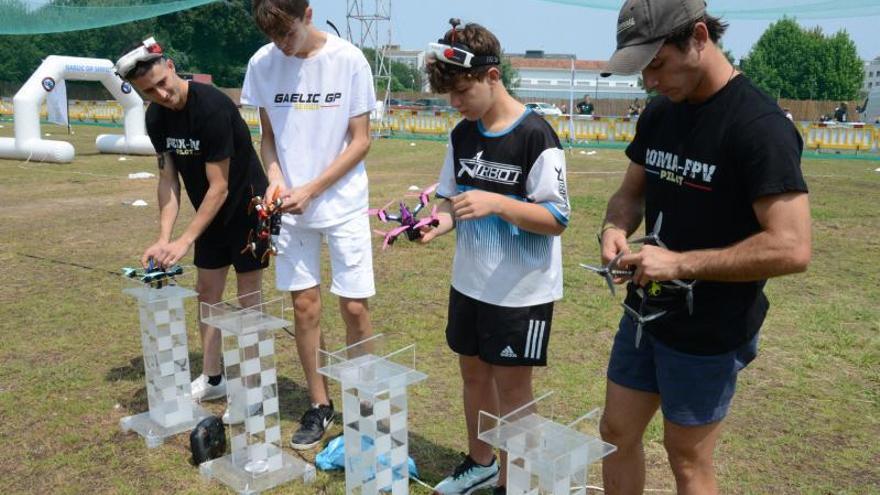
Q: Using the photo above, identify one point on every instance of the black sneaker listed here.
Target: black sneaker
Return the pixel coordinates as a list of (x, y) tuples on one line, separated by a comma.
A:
[(312, 426)]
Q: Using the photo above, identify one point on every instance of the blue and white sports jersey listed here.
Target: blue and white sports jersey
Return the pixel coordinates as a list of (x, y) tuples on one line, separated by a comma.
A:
[(495, 261)]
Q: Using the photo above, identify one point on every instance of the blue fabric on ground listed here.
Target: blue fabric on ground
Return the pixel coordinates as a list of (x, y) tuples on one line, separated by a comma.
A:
[(333, 456)]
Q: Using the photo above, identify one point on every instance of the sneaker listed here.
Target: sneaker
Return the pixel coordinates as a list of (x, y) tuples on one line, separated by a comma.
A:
[(468, 477), (202, 390), (312, 426), (233, 415)]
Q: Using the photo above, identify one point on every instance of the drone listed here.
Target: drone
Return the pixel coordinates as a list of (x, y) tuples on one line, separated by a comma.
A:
[(268, 226), (408, 219), (154, 276), (610, 271)]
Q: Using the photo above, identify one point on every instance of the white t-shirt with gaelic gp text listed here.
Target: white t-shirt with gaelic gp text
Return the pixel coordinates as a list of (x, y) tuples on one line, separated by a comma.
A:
[(495, 261), (309, 102)]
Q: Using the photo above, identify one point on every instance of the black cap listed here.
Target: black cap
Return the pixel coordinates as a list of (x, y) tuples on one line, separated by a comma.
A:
[(643, 26)]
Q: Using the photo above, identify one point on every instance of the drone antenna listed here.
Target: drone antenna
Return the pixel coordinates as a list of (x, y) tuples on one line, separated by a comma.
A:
[(455, 21)]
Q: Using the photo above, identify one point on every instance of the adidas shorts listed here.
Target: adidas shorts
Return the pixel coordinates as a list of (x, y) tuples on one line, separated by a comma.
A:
[(497, 334)]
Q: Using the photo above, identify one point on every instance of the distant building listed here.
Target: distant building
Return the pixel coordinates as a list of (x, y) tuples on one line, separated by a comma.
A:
[(872, 75), (547, 76), (412, 58)]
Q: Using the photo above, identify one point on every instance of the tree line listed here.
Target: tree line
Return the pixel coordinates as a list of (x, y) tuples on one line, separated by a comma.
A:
[(218, 39), (790, 61)]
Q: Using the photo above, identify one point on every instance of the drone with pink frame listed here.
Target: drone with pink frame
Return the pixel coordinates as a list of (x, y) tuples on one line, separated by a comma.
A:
[(407, 218)]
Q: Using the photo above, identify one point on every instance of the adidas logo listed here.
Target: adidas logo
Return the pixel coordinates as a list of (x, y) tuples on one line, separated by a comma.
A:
[(508, 353)]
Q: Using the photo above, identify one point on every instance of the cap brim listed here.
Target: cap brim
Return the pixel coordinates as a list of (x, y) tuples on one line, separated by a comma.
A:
[(632, 59)]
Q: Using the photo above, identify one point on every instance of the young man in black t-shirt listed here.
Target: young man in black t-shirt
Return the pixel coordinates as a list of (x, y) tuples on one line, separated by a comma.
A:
[(199, 134), (721, 162), (585, 106), (504, 193)]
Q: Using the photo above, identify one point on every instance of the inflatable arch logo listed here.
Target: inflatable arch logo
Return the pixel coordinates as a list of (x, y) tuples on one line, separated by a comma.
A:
[(27, 144)]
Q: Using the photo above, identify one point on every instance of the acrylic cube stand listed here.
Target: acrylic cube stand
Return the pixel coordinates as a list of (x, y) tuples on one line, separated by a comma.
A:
[(166, 365), (545, 457), (374, 413), (256, 461)]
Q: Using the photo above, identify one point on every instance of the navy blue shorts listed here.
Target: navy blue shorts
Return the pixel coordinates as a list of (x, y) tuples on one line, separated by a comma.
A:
[(694, 390)]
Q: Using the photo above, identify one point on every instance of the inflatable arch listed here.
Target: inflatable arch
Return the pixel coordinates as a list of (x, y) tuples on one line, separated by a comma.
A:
[(27, 143)]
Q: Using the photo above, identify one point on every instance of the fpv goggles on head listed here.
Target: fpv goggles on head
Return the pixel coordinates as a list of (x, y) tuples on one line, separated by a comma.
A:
[(457, 53), (147, 51)]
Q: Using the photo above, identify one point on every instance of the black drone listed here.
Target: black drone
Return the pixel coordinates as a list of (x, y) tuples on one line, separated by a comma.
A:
[(611, 271)]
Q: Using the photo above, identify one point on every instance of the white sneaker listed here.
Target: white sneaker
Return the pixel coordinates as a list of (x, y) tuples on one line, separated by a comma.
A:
[(233, 418), (202, 390), (236, 417)]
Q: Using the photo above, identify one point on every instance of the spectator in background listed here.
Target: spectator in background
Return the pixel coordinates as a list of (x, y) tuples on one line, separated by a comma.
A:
[(585, 106), (634, 108), (564, 109), (840, 112)]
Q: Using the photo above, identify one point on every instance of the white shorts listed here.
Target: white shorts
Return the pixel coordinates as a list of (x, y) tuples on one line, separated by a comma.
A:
[(298, 264)]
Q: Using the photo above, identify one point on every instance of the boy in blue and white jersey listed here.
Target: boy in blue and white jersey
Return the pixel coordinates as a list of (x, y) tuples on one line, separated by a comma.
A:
[(503, 188)]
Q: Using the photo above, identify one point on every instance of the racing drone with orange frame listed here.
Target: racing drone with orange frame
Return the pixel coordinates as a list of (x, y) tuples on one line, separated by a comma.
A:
[(264, 236)]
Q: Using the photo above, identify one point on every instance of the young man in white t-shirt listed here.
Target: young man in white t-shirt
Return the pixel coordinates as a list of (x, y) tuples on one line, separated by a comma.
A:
[(315, 93)]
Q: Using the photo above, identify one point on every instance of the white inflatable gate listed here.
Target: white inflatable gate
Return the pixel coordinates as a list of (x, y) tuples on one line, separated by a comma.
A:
[(27, 143)]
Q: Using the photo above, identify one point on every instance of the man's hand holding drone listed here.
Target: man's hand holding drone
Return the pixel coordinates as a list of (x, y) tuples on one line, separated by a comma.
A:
[(445, 223), (165, 254), (653, 263), (294, 201)]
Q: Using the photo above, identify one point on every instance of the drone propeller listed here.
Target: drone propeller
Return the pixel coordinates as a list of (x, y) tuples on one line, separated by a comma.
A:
[(381, 213), (432, 220), (689, 296), (654, 236), (391, 236), (424, 197), (641, 320), (609, 273)]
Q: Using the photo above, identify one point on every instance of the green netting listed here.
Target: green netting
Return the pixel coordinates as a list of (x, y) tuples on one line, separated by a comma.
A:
[(765, 9), (57, 16)]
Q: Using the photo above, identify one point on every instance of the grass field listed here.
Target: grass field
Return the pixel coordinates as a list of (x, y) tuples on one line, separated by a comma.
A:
[(806, 418)]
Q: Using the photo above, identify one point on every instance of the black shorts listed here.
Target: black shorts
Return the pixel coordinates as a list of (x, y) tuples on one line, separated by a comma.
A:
[(497, 334), (224, 249)]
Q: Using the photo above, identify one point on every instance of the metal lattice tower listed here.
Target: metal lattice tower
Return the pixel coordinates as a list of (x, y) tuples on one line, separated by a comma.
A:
[(368, 21)]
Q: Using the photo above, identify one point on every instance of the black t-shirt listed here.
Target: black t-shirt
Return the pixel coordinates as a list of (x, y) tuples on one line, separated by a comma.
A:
[(585, 108), (705, 165), (209, 129)]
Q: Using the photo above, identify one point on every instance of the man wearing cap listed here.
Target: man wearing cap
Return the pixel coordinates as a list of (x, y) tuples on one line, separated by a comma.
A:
[(721, 162), (199, 134)]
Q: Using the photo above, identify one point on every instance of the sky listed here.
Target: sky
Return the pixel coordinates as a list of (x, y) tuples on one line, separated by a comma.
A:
[(523, 25)]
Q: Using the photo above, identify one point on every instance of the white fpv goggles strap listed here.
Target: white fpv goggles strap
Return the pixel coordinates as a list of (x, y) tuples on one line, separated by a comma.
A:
[(458, 55), (149, 50)]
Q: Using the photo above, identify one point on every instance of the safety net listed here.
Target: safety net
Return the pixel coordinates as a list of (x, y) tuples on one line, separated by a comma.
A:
[(57, 16)]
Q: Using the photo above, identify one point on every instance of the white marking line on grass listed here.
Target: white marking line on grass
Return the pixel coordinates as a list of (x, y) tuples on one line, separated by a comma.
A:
[(37, 166)]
